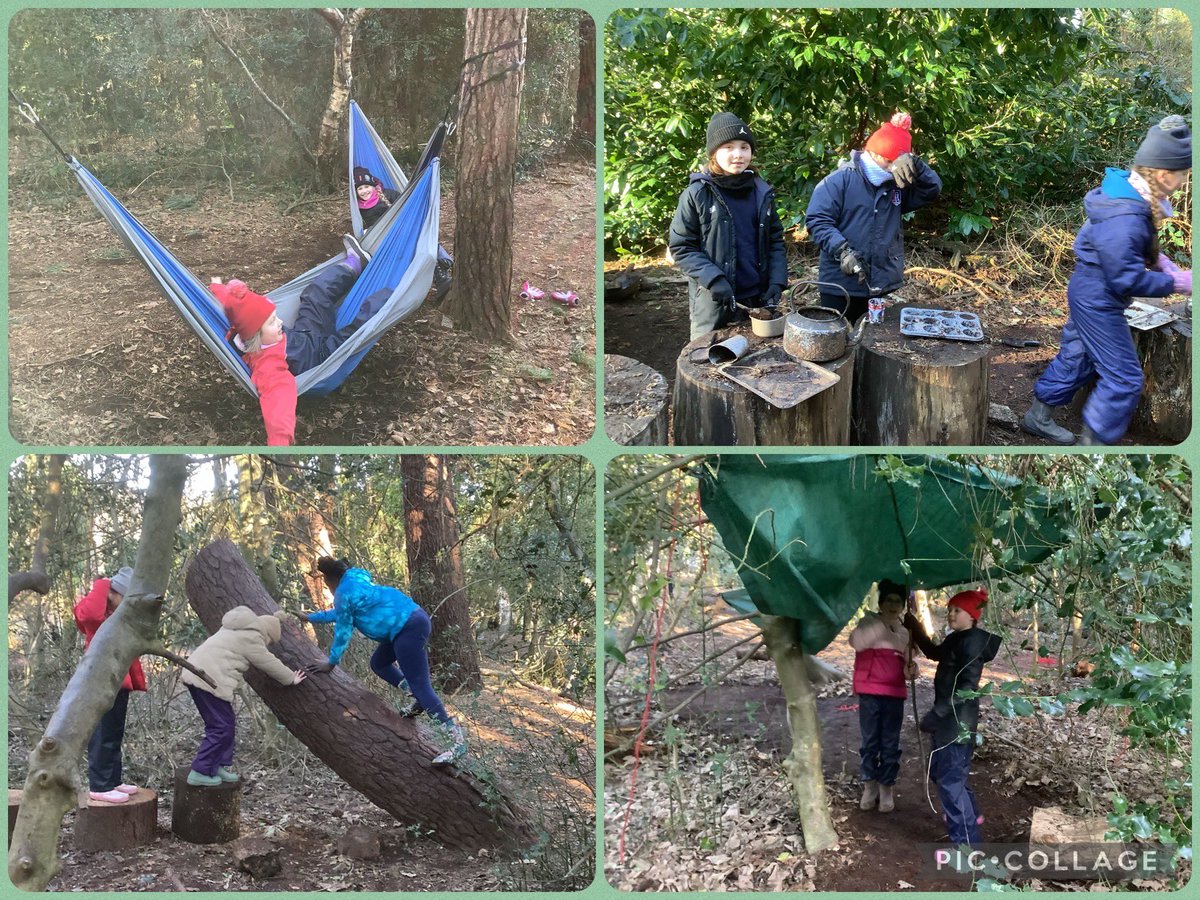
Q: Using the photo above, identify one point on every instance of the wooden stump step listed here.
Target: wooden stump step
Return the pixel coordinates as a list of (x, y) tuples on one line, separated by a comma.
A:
[(206, 815), (118, 826), (635, 402)]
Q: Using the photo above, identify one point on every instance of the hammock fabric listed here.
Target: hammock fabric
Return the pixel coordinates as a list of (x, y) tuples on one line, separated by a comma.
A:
[(403, 245)]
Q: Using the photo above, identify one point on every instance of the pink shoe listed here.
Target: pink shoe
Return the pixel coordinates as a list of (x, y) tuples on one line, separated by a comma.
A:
[(127, 788), (113, 796), (529, 292), (566, 298)]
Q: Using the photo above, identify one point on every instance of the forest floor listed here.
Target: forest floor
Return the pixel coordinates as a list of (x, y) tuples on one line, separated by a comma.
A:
[(713, 809), (539, 745), (1008, 308), (98, 356)]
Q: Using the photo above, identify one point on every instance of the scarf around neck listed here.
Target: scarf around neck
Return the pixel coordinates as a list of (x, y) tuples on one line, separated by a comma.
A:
[(875, 173), (370, 201), (1146, 192)]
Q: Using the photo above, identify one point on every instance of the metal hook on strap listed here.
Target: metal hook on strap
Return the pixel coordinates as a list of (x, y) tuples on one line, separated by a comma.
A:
[(28, 113)]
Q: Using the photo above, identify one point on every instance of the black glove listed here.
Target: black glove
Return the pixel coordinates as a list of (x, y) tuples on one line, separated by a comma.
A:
[(912, 623), (773, 295), (904, 170), (850, 263), (722, 292)]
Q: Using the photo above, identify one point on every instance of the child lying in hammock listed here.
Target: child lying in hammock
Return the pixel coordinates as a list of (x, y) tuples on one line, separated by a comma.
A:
[(277, 353)]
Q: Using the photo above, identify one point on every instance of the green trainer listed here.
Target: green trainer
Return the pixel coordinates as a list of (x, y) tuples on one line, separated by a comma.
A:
[(226, 775), (196, 779)]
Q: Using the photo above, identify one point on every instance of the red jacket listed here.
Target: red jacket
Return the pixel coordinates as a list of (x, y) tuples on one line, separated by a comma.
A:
[(879, 658), (276, 392), (90, 613)]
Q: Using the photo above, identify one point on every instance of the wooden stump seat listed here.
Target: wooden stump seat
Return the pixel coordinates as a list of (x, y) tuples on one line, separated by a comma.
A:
[(1165, 409), (118, 826), (206, 815), (635, 402), (712, 410), (919, 391)]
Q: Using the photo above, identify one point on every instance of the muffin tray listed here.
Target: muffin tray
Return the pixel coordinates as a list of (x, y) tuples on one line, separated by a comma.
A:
[(940, 323)]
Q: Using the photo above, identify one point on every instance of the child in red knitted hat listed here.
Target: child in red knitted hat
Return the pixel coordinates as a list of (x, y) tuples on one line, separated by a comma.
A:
[(855, 213), (952, 721), (277, 353)]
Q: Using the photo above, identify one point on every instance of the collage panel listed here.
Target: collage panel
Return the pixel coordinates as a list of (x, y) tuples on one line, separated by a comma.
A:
[(331, 673), (241, 227), (897, 674), (897, 227)]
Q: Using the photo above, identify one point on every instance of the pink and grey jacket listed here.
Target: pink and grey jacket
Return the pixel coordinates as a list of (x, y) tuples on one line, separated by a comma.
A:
[(880, 657)]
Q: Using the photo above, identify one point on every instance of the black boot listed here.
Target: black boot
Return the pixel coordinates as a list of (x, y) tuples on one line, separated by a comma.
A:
[(1039, 423)]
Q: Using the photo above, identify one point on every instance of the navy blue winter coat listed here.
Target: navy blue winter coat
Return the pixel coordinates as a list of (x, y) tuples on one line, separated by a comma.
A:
[(846, 208), (702, 235)]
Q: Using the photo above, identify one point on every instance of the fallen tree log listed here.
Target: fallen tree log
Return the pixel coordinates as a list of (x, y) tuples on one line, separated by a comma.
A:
[(375, 750)]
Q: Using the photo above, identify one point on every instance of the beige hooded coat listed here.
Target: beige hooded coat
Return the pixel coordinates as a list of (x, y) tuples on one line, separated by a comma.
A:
[(240, 643)]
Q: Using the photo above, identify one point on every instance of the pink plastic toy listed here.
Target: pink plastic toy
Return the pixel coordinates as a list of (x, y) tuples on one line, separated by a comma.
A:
[(566, 298), (529, 292)]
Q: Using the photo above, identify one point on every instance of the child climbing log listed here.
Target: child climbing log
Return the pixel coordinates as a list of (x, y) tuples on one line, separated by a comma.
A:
[(375, 750)]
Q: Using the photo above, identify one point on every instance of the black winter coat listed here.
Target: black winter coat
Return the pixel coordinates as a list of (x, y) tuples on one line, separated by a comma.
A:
[(960, 658)]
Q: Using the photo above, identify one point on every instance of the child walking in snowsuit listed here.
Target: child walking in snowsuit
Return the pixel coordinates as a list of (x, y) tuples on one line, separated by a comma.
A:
[(881, 643), (953, 719), (726, 235), (854, 216), (402, 629), (1117, 258), (241, 642), (105, 778), (277, 353)]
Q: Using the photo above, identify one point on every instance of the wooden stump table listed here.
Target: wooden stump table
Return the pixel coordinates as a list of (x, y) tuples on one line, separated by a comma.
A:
[(712, 410), (635, 402), (118, 826), (206, 815), (1165, 409), (919, 391)]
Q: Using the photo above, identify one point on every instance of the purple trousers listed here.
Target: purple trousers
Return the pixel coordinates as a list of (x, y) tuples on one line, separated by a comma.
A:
[(217, 747)]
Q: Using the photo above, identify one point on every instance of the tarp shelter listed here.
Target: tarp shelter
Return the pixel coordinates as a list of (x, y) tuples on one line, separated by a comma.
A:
[(811, 533)]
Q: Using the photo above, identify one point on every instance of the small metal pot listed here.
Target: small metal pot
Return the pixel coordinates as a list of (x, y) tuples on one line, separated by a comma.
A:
[(767, 327), (816, 334)]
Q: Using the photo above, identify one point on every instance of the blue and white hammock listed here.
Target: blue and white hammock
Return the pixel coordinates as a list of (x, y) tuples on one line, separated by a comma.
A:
[(403, 245)]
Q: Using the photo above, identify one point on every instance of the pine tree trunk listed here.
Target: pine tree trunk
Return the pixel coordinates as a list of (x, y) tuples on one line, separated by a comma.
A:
[(373, 749), (489, 112), (803, 764), (435, 569), (132, 630), (585, 90)]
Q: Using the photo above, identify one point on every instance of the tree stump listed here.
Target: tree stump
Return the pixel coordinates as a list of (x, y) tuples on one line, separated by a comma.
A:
[(919, 391), (118, 826), (712, 410), (635, 402), (206, 815), (257, 857), (14, 807), (1165, 410)]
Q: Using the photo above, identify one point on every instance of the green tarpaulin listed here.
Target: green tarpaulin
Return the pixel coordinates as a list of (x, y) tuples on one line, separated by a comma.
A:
[(811, 533)]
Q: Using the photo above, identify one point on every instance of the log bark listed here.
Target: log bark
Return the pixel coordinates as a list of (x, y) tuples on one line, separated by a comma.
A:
[(206, 815), (118, 826), (585, 87), (712, 410), (919, 391), (635, 403), (435, 569), (35, 578), (376, 751), (803, 764), (52, 784), (1165, 410), (480, 298)]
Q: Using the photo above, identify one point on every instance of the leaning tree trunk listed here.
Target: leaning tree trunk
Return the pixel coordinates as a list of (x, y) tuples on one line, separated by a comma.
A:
[(803, 764), (372, 748), (585, 89), (130, 632), (435, 569), (489, 111), (36, 578)]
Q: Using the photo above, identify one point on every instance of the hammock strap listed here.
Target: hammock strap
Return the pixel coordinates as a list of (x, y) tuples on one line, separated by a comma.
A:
[(31, 116)]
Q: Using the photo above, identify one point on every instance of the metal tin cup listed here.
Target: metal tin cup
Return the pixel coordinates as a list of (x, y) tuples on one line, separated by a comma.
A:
[(728, 350), (875, 310)]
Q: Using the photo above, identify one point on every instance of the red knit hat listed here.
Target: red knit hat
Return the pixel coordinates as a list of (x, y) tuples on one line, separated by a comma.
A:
[(247, 311), (970, 602), (893, 138)]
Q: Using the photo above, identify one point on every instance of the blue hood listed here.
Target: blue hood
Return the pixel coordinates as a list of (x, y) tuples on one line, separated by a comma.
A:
[(1115, 197)]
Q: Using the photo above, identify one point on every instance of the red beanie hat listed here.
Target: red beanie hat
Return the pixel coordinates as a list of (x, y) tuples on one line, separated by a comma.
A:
[(247, 311), (893, 138), (970, 602)]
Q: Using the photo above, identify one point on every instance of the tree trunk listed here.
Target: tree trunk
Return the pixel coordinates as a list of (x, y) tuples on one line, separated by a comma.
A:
[(435, 569), (343, 27), (803, 764), (129, 632), (585, 90), (36, 578), (489, 111), (256, 531), (206, 815), (372, 748)]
